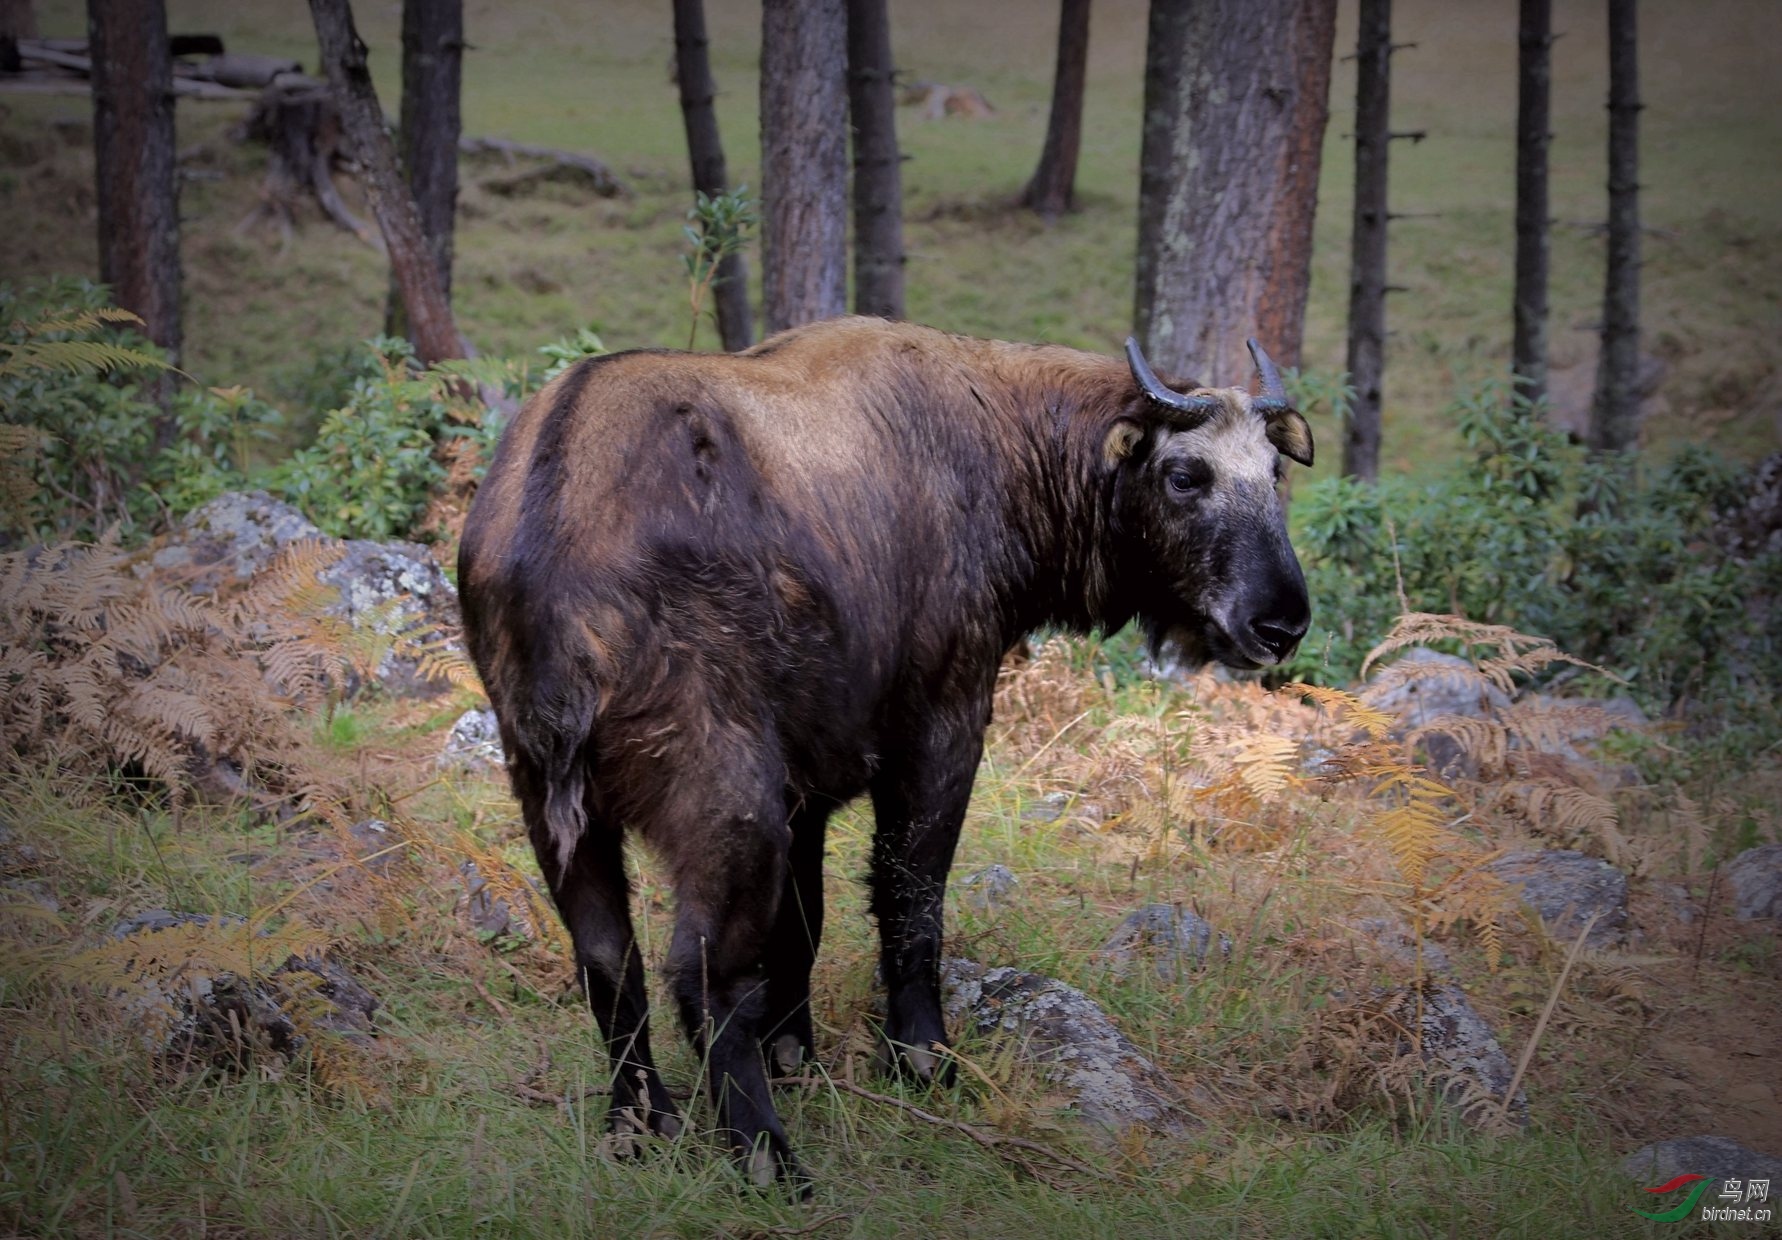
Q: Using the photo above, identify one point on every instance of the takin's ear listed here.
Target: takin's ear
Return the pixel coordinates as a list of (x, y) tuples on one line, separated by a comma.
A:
[(1291, 436), (1123, 436)]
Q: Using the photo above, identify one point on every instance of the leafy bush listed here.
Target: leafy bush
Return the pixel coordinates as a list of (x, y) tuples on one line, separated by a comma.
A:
[(403, 432), (371, 467), (79, 431), (1609, 557)]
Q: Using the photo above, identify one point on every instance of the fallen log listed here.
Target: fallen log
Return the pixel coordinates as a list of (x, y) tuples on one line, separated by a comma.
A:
[(562, 167), (40, 52)]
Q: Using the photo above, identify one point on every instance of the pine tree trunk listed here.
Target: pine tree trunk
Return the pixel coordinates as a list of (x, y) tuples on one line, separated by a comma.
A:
[(693, 70), (133, 155), (1052, 191), (1236, 97), (1615, 413), (1528, 350), (1367, 273), (878, 169), (18, 20), (432, 69), (413, 262), (804, 160)]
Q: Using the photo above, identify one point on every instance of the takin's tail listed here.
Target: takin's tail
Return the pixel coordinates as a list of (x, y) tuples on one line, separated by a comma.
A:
[(553, 732)]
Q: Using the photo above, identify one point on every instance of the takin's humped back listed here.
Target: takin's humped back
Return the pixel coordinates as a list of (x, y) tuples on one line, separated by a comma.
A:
[(714, 597)]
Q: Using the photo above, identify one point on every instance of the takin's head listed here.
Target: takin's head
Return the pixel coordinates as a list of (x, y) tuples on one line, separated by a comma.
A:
[(1203, 540)]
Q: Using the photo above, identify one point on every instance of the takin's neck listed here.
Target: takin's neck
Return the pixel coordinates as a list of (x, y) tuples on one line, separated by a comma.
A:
[(1061, 404)]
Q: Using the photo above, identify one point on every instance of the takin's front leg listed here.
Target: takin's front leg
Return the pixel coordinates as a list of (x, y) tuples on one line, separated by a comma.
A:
[(919, 799)]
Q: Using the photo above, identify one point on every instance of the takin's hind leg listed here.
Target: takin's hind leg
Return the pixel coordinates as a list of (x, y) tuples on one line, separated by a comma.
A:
[(787, 1039), (729, 876), (593, 896)]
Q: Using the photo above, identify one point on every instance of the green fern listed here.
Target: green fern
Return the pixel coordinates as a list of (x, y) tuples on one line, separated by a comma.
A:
[(74, 357)]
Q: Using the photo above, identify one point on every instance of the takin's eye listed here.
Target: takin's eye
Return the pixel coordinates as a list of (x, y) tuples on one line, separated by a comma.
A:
[(1187, 478)]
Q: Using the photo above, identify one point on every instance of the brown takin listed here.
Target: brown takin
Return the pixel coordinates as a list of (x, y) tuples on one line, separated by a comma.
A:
[(715, 597)]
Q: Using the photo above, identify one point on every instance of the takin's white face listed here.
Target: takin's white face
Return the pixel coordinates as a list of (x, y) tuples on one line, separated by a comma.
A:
[(1206, 540)]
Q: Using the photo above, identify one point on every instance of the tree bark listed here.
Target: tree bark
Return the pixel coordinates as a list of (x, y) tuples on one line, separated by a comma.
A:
[(1053, 189), (133, 156), (1366, 360), (432, 73), (804, 160), (413, 262), (705, 149), (878, 169), (1615, 412), (18, 20), (1528, 350), (1236, 97)]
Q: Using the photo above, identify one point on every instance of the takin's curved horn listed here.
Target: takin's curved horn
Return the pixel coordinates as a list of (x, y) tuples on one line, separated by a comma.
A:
[(1273, 402), (1196, 407)]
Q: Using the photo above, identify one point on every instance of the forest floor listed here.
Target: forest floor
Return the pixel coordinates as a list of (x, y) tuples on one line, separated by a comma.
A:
[(476, 1109), (278, 316)]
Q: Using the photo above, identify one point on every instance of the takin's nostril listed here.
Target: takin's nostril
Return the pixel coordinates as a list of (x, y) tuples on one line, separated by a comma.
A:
[(1280, 637)]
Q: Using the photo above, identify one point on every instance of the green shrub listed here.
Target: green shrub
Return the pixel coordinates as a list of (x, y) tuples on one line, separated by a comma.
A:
[(80, 420), (371, 467), (1609, 557), (374, 462)]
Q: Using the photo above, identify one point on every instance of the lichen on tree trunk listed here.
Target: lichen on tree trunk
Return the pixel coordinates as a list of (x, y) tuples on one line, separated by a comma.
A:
[(1236, 96), (804, 160)]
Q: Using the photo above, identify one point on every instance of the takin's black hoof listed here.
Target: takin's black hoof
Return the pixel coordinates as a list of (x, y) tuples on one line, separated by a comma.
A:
[(786, 1055), (630, 1128), (770, 1164), (927, 1064)]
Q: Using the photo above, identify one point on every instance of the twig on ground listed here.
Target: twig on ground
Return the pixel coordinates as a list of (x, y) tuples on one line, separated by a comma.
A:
[(499, 1007), (1571, 958)]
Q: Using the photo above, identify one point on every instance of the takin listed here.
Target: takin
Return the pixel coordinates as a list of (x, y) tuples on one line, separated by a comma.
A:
[(713, 598)]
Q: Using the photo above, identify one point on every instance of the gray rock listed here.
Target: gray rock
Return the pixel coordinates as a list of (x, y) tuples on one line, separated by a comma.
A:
[(1463, 1048), (390, 588), (1048, 808), (1677, 899), (474, 743), (988, 889), (396, 588), (194, 1016), (32, 890), (1559, 725), (1396, 943), (1063, 1034), (1718, 1158), (488, 913), (228, 540), (1756, 878), (375, 846), (1176, 940), (1565, 888), (1422, 685)]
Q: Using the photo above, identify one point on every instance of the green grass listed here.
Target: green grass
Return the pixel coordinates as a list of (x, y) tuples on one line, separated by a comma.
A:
[(535, 269), (433, 1141)]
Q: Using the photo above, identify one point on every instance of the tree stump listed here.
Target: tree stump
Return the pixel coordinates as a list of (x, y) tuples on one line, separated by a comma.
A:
[(297, 119)]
